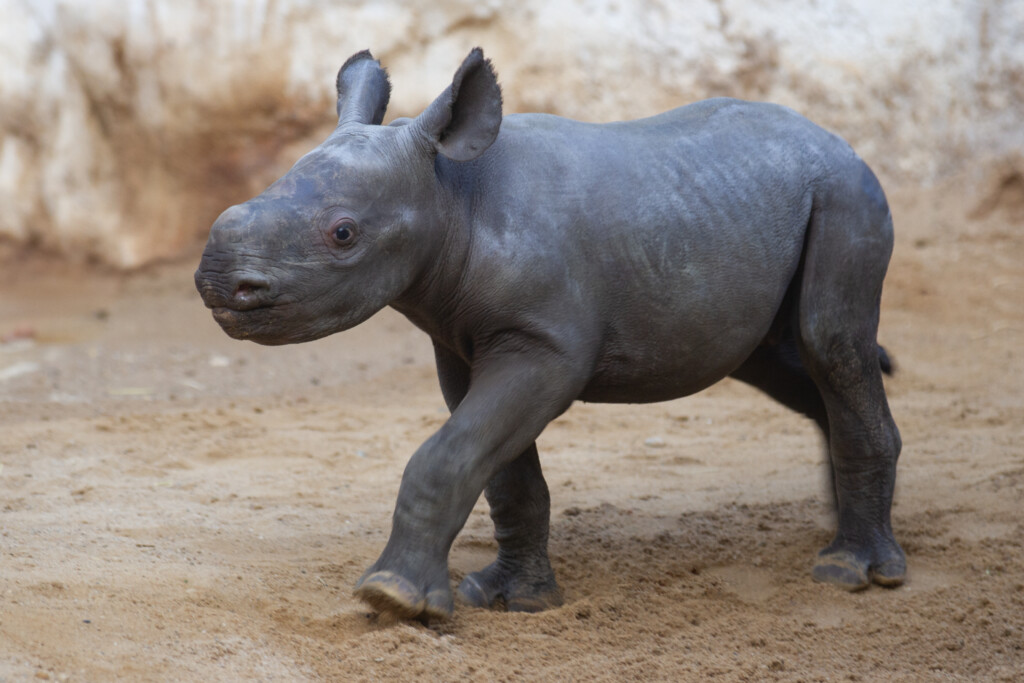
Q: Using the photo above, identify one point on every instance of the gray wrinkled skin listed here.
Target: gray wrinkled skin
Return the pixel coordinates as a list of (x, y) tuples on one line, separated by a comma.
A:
[(552, 261)]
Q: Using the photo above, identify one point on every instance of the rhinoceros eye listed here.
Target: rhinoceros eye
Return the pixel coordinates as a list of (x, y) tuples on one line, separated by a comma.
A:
[(344, 233)]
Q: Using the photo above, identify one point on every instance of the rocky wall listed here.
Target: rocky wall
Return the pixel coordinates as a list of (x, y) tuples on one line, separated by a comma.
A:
[(127, 125)]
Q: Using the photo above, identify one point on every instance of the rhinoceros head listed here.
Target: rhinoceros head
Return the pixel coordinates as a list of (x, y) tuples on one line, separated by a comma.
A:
[(356, 222)]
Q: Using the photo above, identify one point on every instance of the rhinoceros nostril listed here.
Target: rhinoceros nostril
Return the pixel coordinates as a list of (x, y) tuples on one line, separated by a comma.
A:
[(251, 291)]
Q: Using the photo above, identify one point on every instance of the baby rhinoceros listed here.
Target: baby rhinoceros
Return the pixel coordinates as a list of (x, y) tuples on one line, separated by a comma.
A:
[(552, 261)]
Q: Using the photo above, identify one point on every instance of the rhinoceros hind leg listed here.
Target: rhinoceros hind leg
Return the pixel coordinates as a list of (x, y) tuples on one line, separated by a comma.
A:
[(847, 253), (776, 369)]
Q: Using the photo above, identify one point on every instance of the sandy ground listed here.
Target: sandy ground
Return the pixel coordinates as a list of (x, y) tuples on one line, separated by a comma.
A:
[(175, 505)]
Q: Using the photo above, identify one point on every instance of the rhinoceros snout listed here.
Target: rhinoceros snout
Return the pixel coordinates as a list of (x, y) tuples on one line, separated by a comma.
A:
[(239, 291)]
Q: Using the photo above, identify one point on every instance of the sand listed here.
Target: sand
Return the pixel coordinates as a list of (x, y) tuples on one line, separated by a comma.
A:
[(175, 505)]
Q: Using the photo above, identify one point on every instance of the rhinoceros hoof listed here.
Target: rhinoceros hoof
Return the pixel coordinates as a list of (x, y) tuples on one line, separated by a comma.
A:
[(851, 571), (492, 588), (889, 574), (388, 592), (841, 569)]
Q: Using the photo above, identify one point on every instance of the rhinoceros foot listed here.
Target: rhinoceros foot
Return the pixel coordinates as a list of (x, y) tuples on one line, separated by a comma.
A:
[(518, 591), (854, 568), (391, 593)]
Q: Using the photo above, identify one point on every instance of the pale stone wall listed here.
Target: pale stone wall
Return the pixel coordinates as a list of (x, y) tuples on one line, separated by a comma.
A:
[(126, 125)]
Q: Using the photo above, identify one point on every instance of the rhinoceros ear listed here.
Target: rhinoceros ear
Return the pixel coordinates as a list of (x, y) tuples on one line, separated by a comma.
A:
[(464, 120), (363, 90)]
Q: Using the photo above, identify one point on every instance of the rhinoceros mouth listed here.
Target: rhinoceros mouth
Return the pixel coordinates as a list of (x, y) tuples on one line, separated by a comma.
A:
[(262, 325), (223, 314), (239, 323)]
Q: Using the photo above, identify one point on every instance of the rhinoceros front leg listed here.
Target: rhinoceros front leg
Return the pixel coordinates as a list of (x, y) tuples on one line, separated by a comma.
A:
[(511, 398), (521, 577)]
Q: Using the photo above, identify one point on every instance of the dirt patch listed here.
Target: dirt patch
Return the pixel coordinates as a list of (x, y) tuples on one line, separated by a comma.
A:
[(178, 506)]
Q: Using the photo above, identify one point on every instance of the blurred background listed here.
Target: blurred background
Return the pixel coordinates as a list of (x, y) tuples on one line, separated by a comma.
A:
[(126, 126)]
